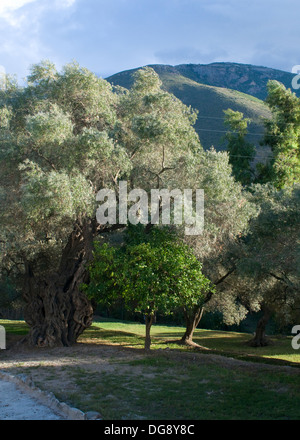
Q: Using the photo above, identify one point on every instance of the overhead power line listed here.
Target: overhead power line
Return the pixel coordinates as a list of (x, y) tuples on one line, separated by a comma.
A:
[(236, 132)]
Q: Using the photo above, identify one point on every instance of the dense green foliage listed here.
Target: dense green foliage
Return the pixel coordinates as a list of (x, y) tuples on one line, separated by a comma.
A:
[(283, 136), (241, 152), (150, 272), (65, 136), (52, 141), (272, 252)]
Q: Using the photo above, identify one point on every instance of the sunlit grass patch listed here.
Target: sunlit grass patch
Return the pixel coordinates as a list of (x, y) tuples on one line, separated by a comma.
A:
[(222, 342), (14, 327), (131, 334)]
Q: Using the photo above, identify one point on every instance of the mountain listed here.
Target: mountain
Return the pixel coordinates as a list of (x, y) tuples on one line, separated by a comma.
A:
[(216, 87), (245, 78)]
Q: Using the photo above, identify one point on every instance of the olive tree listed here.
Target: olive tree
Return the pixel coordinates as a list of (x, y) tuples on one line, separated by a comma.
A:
[(241, 152), (226, 219), (271, 257), (64, 136), (282, 134), (56, 153)]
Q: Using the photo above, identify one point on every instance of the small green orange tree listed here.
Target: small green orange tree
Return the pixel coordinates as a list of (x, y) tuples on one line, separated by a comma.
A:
[(158, 273)]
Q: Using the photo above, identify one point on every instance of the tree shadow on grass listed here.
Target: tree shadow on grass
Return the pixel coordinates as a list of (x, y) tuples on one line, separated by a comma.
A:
[(236, 345), (226, 344), (112, 336)]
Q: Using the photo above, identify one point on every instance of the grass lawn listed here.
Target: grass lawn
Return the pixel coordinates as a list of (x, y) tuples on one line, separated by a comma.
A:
[(109, 372), (221, 342)]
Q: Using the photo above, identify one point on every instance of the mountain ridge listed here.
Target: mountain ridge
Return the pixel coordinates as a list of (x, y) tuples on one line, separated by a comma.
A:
[(213, 88), (246, 78)]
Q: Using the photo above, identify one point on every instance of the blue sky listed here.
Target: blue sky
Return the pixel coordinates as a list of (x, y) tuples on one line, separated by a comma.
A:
[(108, 36)]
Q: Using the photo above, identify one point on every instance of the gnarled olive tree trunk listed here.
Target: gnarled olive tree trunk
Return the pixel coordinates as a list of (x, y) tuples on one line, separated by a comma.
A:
[(192, 319), (56, 310), (194, 316), (260, 339)]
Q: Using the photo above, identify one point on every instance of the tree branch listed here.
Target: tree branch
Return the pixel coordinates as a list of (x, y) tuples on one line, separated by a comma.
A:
[(223, 278)]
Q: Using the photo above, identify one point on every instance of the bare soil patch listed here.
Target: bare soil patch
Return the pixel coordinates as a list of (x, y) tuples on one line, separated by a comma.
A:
[(96, 357), (51, 367)]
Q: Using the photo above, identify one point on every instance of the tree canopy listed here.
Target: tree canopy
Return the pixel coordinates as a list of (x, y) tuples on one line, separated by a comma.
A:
[(150, 272), (64, 136), (283, 136), (241, 152)]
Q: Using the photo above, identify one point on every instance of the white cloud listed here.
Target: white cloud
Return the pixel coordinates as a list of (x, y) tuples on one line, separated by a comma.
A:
[(67, 3), (11, 10), (7, 6), (25, 34)]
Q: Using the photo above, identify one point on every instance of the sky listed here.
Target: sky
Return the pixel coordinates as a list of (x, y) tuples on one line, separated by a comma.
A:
[(109, 36)]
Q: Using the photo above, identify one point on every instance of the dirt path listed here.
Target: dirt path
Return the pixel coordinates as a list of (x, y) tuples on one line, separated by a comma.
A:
[(49, 370), (17, 405)]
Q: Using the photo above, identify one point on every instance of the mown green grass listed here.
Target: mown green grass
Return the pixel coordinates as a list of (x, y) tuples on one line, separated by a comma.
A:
[(227, 343), (127, 333), (14, 327), (168, 390)]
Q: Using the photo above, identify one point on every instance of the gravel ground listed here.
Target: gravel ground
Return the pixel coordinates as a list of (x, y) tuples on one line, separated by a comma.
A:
[(16, 405)]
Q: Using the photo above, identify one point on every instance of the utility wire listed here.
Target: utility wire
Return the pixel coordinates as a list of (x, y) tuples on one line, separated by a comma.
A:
[(236, 132), (223, 119), (228, 131), (260, 156), (251, 157)]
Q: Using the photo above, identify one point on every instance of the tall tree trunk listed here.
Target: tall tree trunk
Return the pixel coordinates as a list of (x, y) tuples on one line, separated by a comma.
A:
[(192, 320), (148, 321), (193, 317), (260, 339), (56, 310)]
